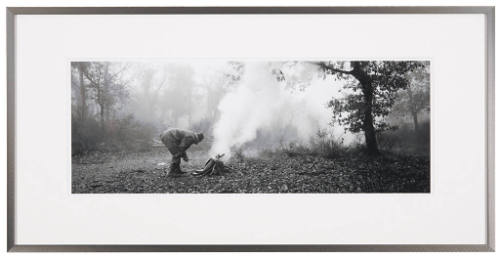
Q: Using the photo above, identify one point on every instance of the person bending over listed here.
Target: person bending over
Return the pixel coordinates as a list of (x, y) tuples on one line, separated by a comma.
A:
[(177, 142)]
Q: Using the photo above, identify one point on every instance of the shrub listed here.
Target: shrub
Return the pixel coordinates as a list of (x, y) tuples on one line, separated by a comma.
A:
[(118, 135), (85, 136), (406, 140), (293, 149), (328, 148), (327, 145)]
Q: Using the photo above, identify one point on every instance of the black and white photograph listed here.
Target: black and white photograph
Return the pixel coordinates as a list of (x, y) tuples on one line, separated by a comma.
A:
[(250, 126), (289, 128)]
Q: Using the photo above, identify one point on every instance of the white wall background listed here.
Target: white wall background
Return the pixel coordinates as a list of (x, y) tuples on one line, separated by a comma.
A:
[(187, 3)]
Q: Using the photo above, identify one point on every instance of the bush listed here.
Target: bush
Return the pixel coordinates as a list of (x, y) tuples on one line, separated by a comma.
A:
[(128, 135), (322, 145), (293, 149), (85, 136), (406, 140), (328, 146), (119, 135)]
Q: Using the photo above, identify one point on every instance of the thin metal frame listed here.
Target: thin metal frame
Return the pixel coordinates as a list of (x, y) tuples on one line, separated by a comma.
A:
[(488, 11)]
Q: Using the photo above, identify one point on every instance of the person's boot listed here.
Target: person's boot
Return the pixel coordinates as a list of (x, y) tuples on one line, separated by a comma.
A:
[(175, 170)]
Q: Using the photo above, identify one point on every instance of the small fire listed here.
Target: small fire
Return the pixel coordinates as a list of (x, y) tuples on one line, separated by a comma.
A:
[(213, 166), (219, 156)]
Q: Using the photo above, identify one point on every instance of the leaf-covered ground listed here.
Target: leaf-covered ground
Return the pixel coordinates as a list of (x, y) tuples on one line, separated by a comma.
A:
[(146, 173)]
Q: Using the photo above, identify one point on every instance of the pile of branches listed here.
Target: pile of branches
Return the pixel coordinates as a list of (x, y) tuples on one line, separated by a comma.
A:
[(213, 166)]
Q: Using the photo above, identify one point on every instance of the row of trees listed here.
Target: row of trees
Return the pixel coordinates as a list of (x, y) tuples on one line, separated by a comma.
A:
[(99, 85), (100, 93), (124, 105), (169, 95)]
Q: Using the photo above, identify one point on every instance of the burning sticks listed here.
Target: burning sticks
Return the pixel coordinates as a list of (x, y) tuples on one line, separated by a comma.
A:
[(213, 166)]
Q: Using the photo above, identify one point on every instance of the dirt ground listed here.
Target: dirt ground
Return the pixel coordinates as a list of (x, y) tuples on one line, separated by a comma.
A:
[(145, 173)]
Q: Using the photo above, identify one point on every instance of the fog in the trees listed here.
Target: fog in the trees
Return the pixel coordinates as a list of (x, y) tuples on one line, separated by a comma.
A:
[(246, 106)]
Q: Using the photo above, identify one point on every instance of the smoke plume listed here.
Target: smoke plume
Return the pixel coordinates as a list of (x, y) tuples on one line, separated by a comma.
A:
[(260, 105)]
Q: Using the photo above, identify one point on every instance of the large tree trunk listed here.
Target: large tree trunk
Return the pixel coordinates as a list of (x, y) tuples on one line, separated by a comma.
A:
[(104, 96), (415, 120), (83, 93), (413, 110), (369, 129), (103, 112), (367, 89), (101, 106), (100, 102)]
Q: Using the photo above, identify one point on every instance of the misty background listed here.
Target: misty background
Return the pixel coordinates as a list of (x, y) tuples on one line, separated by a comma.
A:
[(245, 108)]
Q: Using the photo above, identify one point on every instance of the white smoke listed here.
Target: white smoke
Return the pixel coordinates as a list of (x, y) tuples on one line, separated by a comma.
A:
[(259, 103)]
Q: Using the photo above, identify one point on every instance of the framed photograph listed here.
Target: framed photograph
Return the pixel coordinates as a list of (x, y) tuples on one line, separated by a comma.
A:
[(250, 129)]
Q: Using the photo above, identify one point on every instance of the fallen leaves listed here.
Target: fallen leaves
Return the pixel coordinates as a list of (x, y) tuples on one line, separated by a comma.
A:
[(140, 173)]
